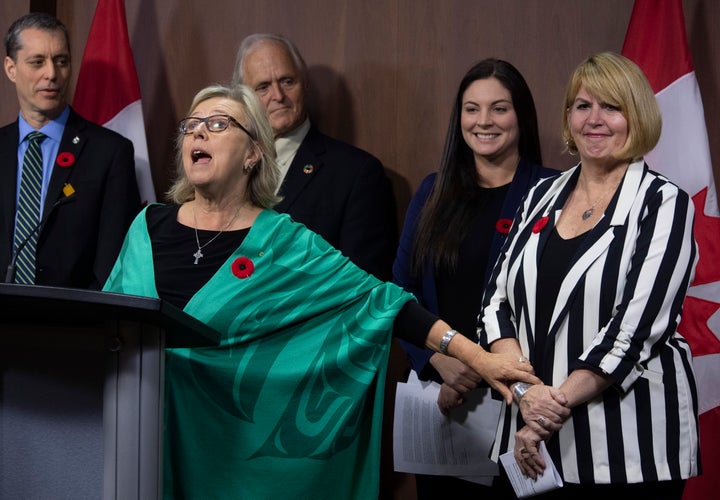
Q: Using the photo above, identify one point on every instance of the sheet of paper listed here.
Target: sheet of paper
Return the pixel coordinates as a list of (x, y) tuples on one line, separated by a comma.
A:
[(525, 486), (427, 442)]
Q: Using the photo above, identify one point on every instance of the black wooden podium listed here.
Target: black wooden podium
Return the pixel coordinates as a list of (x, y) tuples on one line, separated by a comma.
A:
[(81, 391)]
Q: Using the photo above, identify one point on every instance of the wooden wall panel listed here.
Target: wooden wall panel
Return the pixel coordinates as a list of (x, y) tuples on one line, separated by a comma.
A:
[(383, 73), (701, 20), (9, 11)]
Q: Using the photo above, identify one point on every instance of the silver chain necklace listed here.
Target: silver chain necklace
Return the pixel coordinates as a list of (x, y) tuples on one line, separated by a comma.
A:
[(589, 212), (199, 255)]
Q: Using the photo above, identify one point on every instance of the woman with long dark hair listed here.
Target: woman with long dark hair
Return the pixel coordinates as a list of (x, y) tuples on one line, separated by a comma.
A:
[(458, 220)]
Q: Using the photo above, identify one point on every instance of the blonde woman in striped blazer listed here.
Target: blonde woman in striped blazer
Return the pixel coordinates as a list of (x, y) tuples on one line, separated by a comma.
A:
[(590, 286)]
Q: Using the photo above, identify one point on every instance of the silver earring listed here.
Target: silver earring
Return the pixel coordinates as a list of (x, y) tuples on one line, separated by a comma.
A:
[(570, 148)]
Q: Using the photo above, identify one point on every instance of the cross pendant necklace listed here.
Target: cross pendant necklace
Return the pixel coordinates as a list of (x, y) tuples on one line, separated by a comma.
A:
[(198, 254)]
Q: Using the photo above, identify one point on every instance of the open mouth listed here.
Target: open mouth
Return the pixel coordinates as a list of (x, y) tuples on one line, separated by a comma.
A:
[(198, 155)]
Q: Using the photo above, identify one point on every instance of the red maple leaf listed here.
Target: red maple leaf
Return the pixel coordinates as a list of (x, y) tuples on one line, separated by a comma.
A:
[(697, 311), (707, 235)]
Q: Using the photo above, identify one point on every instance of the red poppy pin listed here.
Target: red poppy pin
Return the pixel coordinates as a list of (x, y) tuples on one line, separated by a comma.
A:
[(65, 159), (242, 267), (540, 224), (503, 225)]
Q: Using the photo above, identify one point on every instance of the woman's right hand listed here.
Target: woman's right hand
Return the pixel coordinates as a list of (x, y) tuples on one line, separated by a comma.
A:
[(544, 409), (498, 370), (501, 370), (455, 373)]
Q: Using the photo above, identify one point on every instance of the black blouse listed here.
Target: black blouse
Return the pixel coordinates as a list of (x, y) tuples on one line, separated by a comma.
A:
[(178, 278), (460, 291), (553, 266)]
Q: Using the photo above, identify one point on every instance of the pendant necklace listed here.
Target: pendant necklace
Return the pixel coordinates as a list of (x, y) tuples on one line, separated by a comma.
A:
[(588, 213), (199, 255)]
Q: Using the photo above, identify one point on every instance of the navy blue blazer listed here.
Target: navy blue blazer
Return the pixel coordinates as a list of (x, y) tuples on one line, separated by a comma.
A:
[(341, 192), (81, 239), (424, 287)]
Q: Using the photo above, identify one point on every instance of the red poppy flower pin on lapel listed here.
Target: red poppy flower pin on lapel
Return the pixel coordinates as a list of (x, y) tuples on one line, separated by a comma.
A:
[(242, 267), (503, 226), (540, 224), (65, 159)]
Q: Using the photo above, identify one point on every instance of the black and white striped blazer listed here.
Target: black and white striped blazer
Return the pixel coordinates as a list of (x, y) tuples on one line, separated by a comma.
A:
[(617, 313)]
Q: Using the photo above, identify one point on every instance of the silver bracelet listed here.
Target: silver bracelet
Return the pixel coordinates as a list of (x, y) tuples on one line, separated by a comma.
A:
[(519, 390), (446, 340)]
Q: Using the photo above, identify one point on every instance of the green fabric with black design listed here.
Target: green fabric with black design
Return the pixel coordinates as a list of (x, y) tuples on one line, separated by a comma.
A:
[(290, 404)]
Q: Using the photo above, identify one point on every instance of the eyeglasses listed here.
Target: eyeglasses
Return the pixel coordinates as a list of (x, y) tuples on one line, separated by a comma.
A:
[(214, 123)]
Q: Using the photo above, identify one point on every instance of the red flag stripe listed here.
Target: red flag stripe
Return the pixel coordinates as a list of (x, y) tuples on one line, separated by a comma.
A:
[(107, 59), (656, 40), (108, 90)]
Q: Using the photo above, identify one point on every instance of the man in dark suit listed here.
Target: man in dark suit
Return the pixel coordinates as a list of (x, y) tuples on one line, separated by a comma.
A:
[(88, 193), (335, 189)]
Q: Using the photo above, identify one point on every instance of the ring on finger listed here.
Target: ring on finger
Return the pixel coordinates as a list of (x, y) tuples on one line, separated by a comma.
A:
[(522, 359), (523, 450), (541, 421)]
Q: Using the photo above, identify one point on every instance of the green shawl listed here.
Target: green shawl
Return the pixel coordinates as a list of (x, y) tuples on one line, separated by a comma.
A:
[(290, 404)]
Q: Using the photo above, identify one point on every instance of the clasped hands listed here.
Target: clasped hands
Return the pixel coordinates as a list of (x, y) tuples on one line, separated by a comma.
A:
[(544, 410), (458, 379), (499, 370)]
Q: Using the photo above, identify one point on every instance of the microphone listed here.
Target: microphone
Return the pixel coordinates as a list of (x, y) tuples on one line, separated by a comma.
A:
[(68, 196)]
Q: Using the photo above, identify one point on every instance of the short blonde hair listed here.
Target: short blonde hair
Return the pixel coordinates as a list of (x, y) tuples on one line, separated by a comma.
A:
[(617, 80), (265, 176)]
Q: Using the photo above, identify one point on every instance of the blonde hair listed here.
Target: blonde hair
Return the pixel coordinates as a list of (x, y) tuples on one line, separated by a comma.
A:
[(617, 80), (265, 176)]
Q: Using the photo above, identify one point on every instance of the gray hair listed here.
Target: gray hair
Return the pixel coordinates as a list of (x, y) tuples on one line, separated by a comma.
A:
[(250, 41), (265, 176), (36, 20)]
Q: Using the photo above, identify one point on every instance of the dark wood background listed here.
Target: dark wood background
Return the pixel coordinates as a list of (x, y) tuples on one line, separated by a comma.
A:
[(383, 72)]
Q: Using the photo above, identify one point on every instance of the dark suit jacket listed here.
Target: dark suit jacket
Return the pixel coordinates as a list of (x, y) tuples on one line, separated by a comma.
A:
[(344, 196), (81, 239)]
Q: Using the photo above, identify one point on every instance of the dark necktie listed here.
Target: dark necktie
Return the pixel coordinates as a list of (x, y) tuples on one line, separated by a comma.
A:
[(28, 210)]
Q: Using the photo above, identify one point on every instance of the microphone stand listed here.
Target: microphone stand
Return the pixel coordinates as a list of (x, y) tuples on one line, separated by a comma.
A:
[(10, 273)]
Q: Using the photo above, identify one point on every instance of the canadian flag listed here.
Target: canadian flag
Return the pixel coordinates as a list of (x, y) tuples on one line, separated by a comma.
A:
[(657, 42), (108, 91)]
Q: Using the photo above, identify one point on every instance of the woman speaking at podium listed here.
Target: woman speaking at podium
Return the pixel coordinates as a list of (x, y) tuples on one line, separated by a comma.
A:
[(290, 403)]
